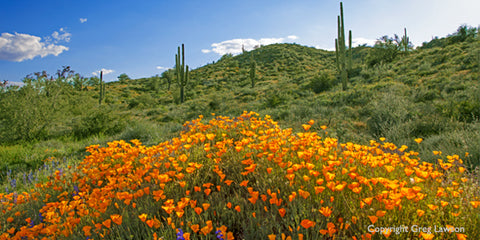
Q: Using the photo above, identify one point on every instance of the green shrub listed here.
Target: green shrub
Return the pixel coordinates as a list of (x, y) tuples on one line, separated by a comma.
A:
[(102, 120), (387, 111), (321, 83), (142, 101)]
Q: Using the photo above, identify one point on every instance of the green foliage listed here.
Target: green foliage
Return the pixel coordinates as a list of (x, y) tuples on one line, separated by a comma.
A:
[(38, 110), (321, 83), (142, 102), (387, 111), (168, 76), (385, 50), (123, 78), (96, 121), (463, 33)]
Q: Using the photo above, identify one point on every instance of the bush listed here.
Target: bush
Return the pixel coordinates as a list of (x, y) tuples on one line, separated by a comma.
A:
[(387, 111), (142, 101), (321, 83), (102, 120)]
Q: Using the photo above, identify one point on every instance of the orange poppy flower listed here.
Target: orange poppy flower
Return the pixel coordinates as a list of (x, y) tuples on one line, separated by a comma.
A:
[(307, 223), (282, 212), (381, 213), (195, 228), (86, 230), (205, 206), (427, 236), (326, 211), (244, 183), (461, 236), (150, 223), (207, 191), (198, 210), (143, 217), (373, 219), (420, 212), (432, 207), (116, 218), (304, 194)]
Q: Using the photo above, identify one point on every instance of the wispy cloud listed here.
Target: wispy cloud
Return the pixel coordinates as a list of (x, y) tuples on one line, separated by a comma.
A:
[(83, 20), (234, 46), (61, 36), (20, 46), (324, 48), (105, 72), (162, 68)]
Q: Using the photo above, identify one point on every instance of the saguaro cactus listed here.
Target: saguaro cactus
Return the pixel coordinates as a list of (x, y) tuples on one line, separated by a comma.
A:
[(405, 41), (102, 89), (343, 66), (182, 72)]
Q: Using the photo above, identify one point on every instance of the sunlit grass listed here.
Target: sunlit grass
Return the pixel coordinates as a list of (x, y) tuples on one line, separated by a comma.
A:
[(247, 178)]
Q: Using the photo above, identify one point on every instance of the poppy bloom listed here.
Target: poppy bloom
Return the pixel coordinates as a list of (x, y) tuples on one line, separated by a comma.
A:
[(282, 212), (307, 223), (373, 219), (86, 230), (325, 211), (116, 218)]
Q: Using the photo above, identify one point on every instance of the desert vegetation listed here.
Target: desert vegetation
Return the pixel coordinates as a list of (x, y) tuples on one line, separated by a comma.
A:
[(292, 142)]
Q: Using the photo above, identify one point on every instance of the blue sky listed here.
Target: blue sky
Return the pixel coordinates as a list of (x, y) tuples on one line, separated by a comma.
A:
[(140, 38)]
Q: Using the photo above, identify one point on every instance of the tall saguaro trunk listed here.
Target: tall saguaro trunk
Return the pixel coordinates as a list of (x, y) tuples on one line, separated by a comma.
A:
[(343, 65), (182, 72), (405, 41), (102, 89)]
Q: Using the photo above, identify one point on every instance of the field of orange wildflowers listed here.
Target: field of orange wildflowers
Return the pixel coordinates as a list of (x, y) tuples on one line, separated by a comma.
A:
[(246, 178)]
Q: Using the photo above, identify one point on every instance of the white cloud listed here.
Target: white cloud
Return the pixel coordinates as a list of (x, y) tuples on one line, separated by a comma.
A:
[(162, 68), (324, 48), (62, 36), (361, 41), (105, 72), (20, 46), (82, 20), (234, 46), (292, 37)]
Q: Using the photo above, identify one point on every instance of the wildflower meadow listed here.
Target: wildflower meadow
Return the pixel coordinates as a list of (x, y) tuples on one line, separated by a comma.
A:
[(247, 178)]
